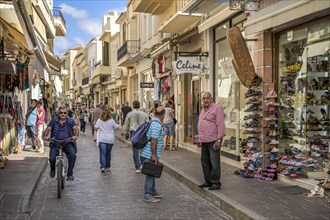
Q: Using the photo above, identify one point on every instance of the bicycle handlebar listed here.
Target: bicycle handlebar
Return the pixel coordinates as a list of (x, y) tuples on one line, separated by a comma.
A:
[(61, 142)]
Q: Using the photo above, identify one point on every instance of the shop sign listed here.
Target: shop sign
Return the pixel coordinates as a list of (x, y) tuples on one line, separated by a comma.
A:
[(147, 85), (187, 65), (242, 60)]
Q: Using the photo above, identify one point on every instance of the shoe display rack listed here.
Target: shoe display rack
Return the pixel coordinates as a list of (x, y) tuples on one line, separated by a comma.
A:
[(270, 127), (251, 146), (304, 108)]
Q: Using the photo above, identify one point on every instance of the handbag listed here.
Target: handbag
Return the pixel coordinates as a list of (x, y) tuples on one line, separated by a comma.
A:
[(152, 169)]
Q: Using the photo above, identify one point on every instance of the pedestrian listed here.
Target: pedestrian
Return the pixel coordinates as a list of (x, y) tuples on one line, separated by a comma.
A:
[(152, 151), (71, 113), (91, 119), (125, 110), (82, 118), (97, 112), (40, 126), (152, 113), (106, 126), (113, 114), (169, 126), (211, 130), (30, 123), (133, 120), (119, 114), (62, 127)]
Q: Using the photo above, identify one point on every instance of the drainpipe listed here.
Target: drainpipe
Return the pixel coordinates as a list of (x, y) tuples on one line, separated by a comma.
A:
[(177, 127)]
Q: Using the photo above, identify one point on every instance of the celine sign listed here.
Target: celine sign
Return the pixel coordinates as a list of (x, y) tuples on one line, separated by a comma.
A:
[(187, 65), (146, 85)]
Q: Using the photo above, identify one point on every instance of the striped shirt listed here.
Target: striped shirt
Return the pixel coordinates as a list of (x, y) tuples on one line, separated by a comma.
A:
[(155, 131)]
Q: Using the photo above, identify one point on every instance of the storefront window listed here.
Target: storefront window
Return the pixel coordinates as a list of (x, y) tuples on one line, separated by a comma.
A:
[(227, 88), (304, 97)]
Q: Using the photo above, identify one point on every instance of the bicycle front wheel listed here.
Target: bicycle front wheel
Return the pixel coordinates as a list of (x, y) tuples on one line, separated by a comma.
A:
[(59, 178)]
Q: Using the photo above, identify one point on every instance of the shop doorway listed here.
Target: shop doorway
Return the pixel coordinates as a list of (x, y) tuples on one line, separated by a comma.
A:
[(192, 109)]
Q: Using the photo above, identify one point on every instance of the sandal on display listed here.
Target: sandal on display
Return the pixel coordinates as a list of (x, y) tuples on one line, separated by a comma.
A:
[(271, 94)]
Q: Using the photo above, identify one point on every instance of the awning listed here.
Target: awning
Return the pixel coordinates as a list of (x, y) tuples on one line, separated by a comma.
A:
[(14, 34), (54, 63), (160, 50), (221, 16), (283, 12), (7, 67), (179, 22)]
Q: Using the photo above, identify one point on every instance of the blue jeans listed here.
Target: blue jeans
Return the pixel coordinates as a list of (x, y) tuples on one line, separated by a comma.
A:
[(136, 157), (210, 159), (70, 152), (105, 155), (149, 184)]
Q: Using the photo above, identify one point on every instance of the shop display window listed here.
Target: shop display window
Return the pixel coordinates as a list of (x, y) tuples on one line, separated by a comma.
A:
[(228, 89), (304, 98)]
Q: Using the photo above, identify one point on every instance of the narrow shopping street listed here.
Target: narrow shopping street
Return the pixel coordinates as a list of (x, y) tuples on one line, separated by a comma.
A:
[(117, 194)]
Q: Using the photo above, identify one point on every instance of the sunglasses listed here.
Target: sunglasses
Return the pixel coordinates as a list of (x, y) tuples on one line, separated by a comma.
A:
[(63, 113)]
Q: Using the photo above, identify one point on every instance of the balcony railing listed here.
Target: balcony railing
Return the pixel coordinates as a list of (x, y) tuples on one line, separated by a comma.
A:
[(85, 81), (129, 47), (58, 13)]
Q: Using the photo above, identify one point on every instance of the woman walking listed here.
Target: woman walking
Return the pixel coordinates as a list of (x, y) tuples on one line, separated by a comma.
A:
[(107, 126), (82, 118)]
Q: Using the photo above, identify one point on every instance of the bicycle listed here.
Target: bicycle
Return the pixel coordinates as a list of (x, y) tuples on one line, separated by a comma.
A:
[(61, 163)]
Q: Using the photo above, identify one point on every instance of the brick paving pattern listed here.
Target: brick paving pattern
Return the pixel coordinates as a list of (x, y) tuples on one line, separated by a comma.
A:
[(117, 194)]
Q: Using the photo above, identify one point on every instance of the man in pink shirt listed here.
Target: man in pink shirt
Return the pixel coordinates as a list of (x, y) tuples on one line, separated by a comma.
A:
[(211, 130), (40, 126)]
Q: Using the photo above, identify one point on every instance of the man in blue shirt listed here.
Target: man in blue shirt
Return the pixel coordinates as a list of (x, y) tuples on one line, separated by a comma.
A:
[(152, 151), (30, 124), (62, 127)]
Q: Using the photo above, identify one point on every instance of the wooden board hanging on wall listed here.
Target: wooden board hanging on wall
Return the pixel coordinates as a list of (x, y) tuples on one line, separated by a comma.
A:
[(242, 60)]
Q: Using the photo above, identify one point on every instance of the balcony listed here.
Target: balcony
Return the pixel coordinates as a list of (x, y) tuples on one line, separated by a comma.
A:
[(99, 71), (155, 7), (202, 6), (127, 52), (59, 23), (85, 81)]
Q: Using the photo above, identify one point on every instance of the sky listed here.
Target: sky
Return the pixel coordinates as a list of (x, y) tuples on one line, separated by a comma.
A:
[(83, 20)]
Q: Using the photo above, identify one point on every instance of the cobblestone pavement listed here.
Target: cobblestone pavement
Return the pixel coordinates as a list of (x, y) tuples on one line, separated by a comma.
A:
[(117, 194)]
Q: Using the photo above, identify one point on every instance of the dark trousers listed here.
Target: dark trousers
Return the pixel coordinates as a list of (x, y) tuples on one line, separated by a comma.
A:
[(82, 125), (136, 156), (210, 159), (70, 152)]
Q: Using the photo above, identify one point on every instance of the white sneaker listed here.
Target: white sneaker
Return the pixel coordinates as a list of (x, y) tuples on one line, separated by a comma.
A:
[(137, 171), (102, 170)]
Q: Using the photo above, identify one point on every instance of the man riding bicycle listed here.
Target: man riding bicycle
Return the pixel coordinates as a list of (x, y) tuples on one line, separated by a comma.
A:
[(62, 127)]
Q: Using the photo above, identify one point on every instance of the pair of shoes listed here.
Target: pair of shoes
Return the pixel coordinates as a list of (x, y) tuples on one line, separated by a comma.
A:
[(158, 195), (34, 147), (173, 149), (137, 171), (102, 170), (151, 199), (70, 178), (94, 140), (215, 187), (41, 151), (52, 173), (204, 185), (107, 169)]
